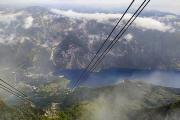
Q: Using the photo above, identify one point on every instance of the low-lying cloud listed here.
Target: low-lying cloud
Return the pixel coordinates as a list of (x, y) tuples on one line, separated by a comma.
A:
[(152, 24), (7, 18), (28, 22), (129, 37), (144, 23), (130, 98)]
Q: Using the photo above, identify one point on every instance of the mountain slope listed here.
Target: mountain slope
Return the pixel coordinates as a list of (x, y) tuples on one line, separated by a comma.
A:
[(126, 101), (129, 89), (70, 39), (21, 111), (167, 112)]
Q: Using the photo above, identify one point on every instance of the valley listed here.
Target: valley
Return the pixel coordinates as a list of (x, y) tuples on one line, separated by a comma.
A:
[(44, 50)]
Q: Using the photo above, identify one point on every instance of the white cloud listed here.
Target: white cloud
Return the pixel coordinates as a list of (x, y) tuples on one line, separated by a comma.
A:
[(141, 22), (129, 37), (7, 18), (28, 22), (152, 24), (95, 16)]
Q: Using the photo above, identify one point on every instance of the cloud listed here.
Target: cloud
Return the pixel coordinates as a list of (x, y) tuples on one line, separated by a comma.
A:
[(7, 18), (141, 22), (152, 24), (129, 37), (28, 22)]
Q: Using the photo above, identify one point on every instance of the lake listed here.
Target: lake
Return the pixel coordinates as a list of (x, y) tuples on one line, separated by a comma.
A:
[(168, 78)]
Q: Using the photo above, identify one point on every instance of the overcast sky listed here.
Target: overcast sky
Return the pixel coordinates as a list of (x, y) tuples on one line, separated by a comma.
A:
[(162, 5)]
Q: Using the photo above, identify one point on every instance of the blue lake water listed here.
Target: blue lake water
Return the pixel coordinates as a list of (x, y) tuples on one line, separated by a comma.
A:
[(168, 78)]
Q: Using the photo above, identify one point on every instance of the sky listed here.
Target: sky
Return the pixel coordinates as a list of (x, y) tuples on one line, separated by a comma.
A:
[(161, 5)]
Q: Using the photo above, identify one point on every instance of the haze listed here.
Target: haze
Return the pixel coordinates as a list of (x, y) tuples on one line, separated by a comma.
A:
[(160, 5)]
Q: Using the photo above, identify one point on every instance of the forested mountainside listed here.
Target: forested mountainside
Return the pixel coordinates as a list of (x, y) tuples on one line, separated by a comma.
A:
[(128, 101)]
